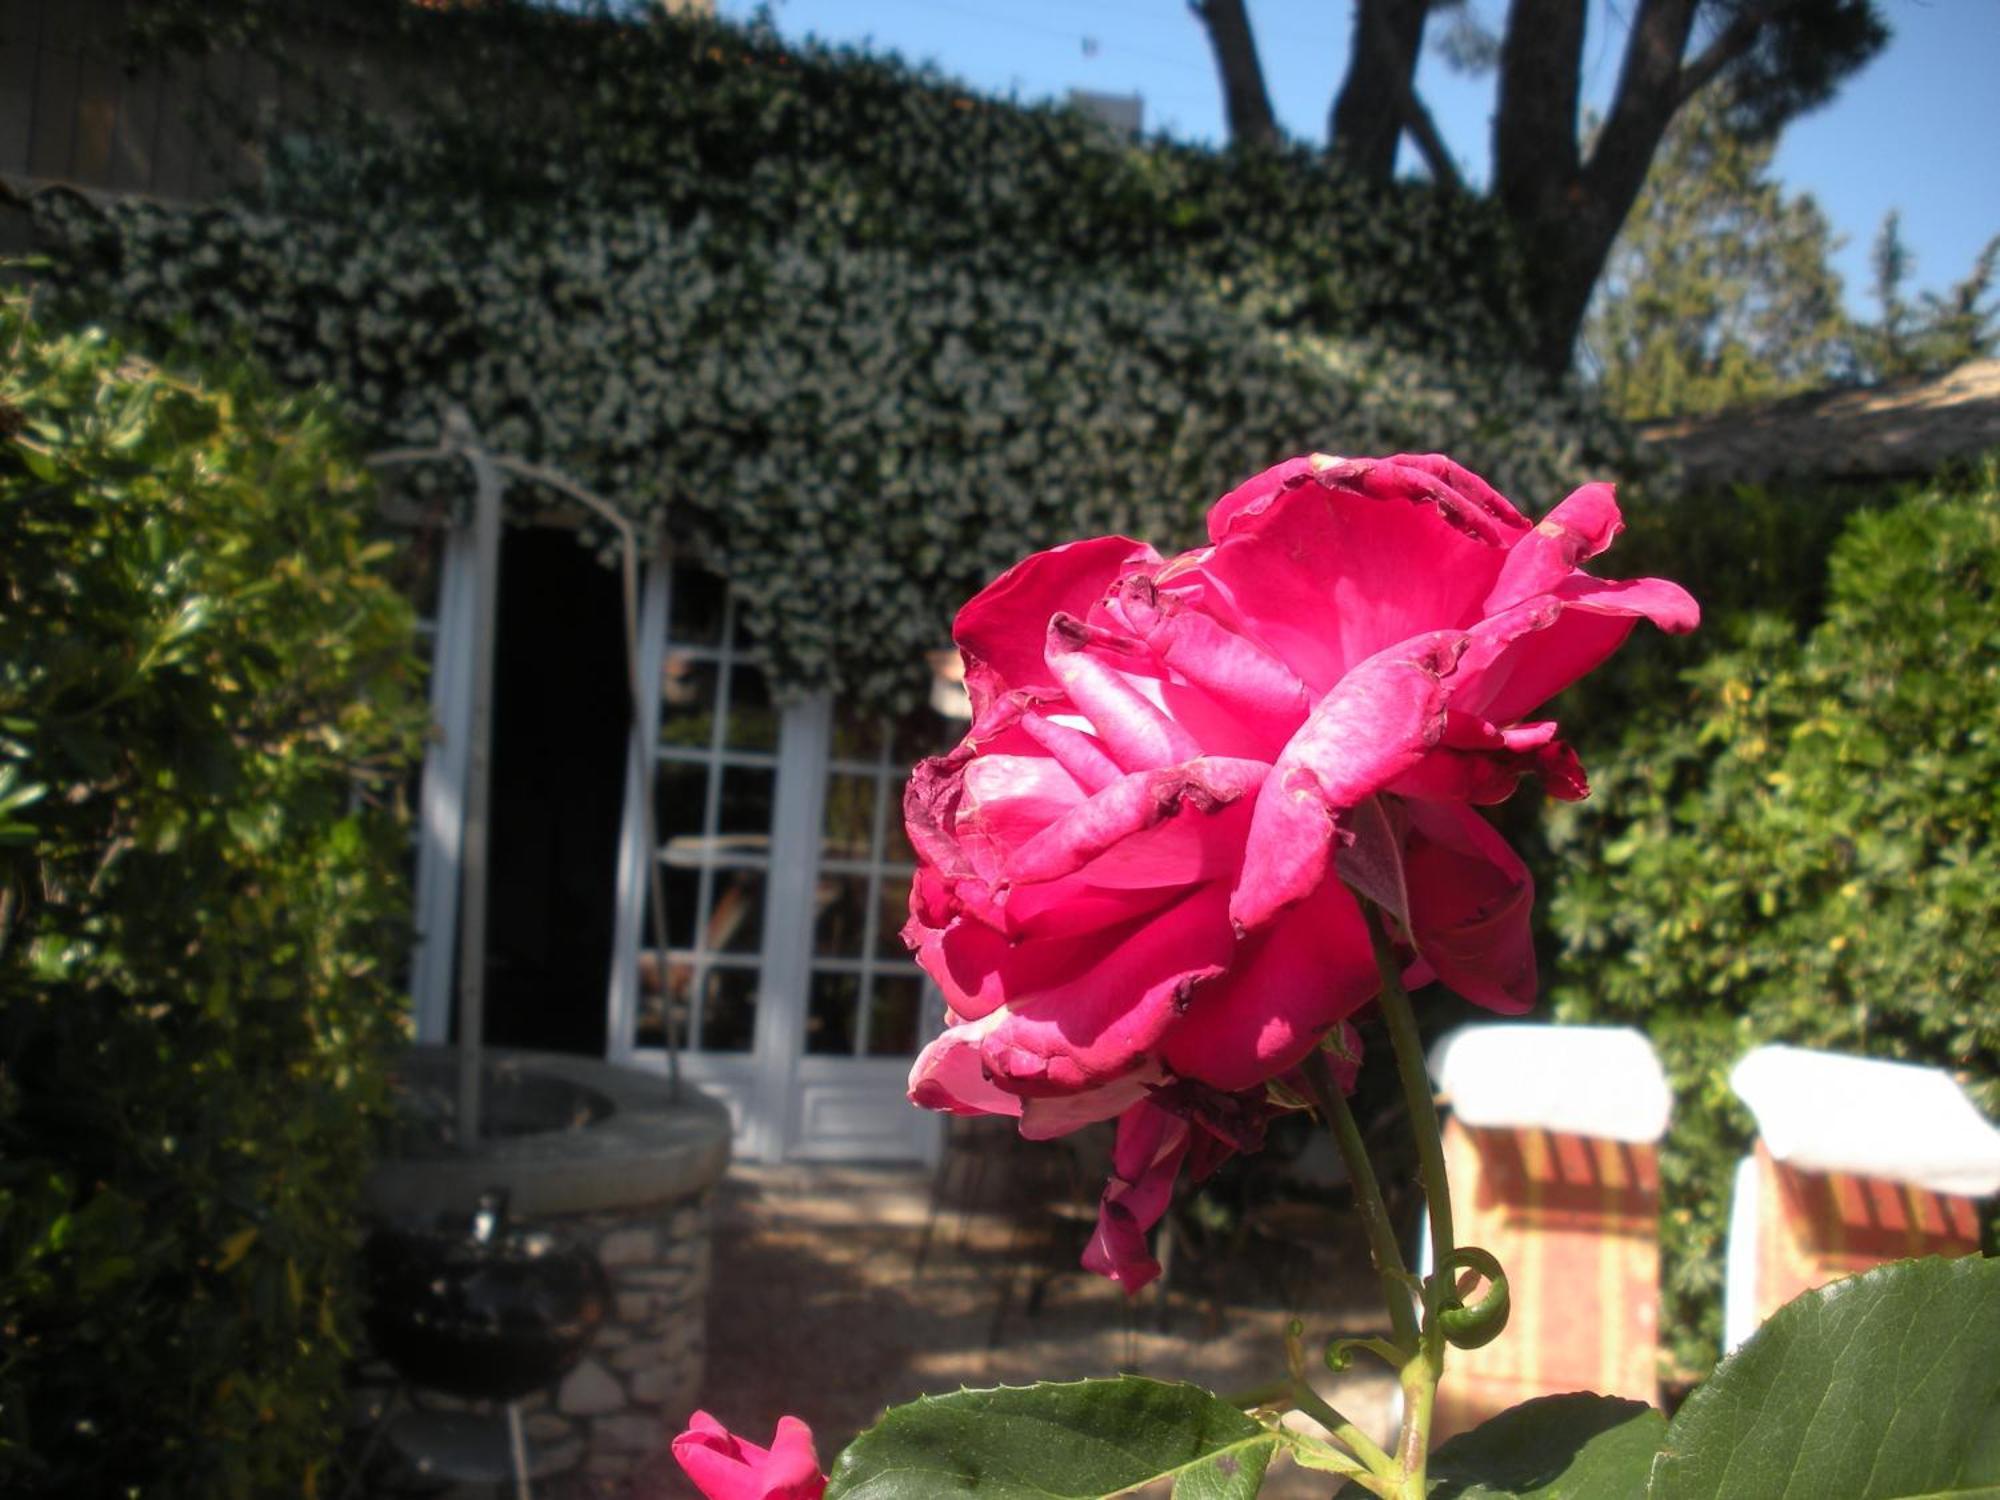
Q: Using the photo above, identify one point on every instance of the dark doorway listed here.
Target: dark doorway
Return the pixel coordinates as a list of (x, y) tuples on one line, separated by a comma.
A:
[(561, 717)]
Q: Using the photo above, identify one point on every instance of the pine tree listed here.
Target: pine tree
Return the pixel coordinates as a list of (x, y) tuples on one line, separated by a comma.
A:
[(1939, 330), (1718, 291)]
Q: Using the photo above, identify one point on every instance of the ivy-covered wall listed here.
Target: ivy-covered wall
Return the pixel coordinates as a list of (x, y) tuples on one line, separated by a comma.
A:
[(859, 336)]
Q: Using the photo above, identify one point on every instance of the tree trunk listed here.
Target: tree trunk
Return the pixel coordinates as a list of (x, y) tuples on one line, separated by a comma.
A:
[(1251, 122), (1567, 212), (1367, 117)]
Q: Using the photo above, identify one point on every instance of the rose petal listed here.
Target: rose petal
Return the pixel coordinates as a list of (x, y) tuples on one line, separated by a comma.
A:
[(1328, 568), (1374, 727), (1524, 656), (1479, 763), (1252, 691), (1045, 1118), (949, 1077), (725, 1467), (1149, 828), (1147, 1158), (1576, 530), (1085, 1012), (1001, 628), (1007, 801), (1080, 754), (1286, 987), (1470, 898), (1132, 728)]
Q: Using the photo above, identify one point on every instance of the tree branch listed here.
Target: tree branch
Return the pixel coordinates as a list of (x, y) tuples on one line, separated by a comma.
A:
[(1251, 121), (1366, 122), (1735, 39), (1398, 64), (1649, 91)]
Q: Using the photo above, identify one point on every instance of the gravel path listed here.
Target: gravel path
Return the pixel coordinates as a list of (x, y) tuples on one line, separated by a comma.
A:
[(818, 1309)]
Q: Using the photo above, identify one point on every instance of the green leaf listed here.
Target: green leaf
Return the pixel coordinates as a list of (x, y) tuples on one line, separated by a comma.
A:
[(1573, 1447), (1080, 1440), (1884, 1386)]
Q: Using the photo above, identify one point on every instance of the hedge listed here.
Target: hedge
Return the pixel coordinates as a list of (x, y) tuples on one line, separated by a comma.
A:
[(1805, 848), (208, 708)]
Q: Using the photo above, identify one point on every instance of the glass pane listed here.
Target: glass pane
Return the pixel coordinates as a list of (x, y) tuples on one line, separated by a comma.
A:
[(681, 887), (729, 1010), (850, 816), (695, 611), (925, 732), (680, 796), (892, 910), (856, 736), (736, 912), (747, 797), (663, 987), (892, 1020), (843, 906), (687, 701), (830, 1016), (753, 722), (896, 848)]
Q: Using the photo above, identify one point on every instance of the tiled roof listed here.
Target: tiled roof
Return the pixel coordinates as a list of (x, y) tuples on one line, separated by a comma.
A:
[(1898, 430)]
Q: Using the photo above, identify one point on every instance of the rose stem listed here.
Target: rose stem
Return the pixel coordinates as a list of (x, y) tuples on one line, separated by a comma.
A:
[(1367, 1196), (1394, 1002), (1420, 1376), (1327, 1415)]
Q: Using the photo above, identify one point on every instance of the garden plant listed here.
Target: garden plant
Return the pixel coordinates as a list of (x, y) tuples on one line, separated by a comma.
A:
[(208, 708), (1212, 806)]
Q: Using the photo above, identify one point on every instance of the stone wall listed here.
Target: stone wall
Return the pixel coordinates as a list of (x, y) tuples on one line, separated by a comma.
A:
[(642, 1375), (632, 1390), (637, 1187)]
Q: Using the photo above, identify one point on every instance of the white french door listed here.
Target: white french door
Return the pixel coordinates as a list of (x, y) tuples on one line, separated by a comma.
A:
[(785, 875)]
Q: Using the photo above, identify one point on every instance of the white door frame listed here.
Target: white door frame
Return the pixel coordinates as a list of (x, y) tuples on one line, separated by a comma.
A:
[(441, 799), (628, 922)]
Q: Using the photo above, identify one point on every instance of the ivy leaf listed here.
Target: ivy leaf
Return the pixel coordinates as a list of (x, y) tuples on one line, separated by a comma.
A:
[(1078, 1440), (1884, 1386), (1574, 1447)]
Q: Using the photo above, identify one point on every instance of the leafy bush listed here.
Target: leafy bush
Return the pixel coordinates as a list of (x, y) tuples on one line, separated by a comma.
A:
[(1806, 850), (1745, 550), (207, 705)]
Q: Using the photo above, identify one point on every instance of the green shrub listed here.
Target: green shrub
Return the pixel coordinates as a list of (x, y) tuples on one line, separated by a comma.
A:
[(1745, 550), (1805, 849), (207, 708)]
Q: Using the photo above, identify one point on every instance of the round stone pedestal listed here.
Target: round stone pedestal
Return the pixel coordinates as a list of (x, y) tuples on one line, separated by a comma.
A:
[(604, 1157)]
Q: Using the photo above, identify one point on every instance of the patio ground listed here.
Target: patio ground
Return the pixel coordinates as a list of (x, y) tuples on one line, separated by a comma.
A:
[(819, 1308)]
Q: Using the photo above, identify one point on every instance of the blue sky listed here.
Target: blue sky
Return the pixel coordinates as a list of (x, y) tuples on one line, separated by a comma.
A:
[(1917, 130)]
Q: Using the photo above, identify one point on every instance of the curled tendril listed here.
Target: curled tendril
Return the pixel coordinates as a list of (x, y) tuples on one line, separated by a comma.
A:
[(1471, 1327), (1339, 1354)]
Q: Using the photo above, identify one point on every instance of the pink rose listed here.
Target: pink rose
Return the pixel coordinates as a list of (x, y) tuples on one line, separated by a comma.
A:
[(725, 1467), (1139, 868)]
